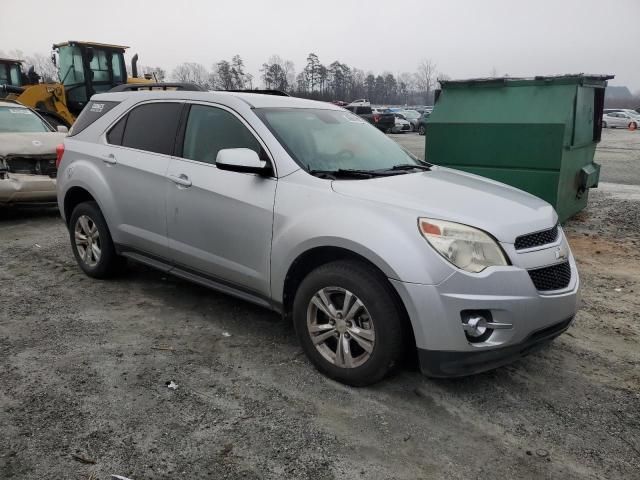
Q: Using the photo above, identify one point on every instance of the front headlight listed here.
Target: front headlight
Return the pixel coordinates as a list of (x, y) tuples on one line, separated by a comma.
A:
[(466, 247)]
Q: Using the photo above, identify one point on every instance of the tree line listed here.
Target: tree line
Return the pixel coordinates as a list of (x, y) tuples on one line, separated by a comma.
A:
[(332, 82)]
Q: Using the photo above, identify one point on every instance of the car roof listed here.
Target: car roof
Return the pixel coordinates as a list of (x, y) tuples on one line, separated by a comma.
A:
[(254, 100)]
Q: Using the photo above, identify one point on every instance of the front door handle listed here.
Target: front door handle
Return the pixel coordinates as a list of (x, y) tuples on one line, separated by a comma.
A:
[(181, 180), (109, 159)]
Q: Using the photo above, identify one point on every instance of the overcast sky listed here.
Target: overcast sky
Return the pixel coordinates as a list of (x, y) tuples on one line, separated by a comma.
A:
[(465, 38)]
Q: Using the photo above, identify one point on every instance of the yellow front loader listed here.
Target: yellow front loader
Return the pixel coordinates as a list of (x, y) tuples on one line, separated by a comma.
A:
[(84, 68)]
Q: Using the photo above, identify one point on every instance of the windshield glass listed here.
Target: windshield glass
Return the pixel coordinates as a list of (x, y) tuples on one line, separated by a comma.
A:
[(20, 120), (330, 140), (70, 67)]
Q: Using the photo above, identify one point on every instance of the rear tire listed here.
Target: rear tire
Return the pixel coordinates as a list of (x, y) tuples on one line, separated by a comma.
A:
[(421, 130), (348, 322), (91, 242), (604, 124)]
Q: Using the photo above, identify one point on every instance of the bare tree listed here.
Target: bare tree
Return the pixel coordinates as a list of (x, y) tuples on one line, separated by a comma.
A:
[(426, 78), (190, 72), (43, 66)]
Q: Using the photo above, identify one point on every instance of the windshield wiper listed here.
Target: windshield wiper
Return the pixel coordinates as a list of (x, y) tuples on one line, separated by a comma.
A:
[(348, 173), (411, 166)]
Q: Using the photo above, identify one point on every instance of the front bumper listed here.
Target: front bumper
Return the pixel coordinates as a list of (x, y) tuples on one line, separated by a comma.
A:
[(25, 188), (508, 294), (443, 364)]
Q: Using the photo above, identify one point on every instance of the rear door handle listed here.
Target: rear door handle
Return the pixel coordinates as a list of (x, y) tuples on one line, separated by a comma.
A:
[(181, 180), (110, 159)]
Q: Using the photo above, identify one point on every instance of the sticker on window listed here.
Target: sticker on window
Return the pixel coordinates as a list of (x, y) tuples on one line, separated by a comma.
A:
[(97, 107), (21, 111)]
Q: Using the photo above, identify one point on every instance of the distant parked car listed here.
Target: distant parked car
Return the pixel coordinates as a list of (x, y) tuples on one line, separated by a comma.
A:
[(412, 117), (620, 120), (382, 121), (401, 124), (422, 123), (27, 155)]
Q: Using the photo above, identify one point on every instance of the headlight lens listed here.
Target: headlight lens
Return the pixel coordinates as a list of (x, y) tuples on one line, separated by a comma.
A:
[(466, 247)]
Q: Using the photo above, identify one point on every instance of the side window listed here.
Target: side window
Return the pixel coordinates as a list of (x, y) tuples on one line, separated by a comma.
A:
[(90, 113), (211, 129), (152, 127), (114, 136)]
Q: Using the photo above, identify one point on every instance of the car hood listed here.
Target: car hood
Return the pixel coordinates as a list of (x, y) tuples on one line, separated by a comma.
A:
[(445, 194), (36, 143)]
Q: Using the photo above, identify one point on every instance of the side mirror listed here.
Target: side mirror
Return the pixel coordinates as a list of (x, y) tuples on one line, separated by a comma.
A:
[(62, 129), (240, 160)]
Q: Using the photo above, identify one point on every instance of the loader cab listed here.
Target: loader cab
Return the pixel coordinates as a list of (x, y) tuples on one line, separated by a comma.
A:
[(11, 72), (88, 68)]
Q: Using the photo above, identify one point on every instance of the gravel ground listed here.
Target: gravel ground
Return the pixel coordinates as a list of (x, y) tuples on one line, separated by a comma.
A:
[(84, 366)]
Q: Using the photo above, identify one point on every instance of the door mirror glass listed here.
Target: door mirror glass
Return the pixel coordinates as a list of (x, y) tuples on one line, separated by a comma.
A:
[(240, 160)]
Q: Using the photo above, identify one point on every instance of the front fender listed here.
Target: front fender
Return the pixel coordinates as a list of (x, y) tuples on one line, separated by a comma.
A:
[(307, 218)]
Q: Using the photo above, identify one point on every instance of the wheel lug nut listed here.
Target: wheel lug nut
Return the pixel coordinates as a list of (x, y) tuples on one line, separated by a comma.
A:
[(336, 334), (347, 335)]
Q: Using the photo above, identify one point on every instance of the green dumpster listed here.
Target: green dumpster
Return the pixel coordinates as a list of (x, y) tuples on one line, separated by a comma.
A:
[(537, 134)]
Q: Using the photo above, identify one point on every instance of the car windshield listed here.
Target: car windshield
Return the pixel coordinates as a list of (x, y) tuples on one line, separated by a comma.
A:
[(20, 120), (332, 140)]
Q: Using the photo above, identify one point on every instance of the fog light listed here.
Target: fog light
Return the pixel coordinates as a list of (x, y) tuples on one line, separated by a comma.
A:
[(478, 325)]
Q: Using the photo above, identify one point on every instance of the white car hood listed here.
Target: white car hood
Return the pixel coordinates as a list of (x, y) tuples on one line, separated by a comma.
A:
[(36, 143), (447, 194)]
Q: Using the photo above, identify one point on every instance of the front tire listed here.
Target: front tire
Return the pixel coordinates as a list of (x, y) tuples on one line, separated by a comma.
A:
[(348, 322), (604, 124), (633, 126), (421, 130), (91, 242)]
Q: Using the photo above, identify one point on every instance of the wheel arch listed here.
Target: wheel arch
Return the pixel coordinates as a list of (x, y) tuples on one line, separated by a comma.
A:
[(72, 198), (313, 258)]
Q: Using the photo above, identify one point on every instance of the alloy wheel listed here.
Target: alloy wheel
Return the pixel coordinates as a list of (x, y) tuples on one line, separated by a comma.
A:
[(87, 240), (340, 327)]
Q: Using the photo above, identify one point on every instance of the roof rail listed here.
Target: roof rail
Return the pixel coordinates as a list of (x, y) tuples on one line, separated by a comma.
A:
[(278, 93), (129, 87)]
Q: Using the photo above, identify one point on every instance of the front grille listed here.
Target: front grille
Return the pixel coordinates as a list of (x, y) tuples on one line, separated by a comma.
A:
[(536, 239), (555, 277), (36, 165)]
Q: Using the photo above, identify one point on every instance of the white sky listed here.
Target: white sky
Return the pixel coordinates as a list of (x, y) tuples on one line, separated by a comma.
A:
[(465, 38)]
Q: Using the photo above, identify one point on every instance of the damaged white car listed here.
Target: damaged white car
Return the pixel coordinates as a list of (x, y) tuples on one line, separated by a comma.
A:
[(27, 156)]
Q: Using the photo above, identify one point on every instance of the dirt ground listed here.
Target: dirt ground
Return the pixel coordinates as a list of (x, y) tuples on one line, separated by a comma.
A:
[(84, 367)]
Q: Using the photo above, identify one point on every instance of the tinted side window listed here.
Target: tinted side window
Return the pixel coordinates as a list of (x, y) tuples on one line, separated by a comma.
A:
[(152, 127), (114, 136), (210, 130), (92, 112)]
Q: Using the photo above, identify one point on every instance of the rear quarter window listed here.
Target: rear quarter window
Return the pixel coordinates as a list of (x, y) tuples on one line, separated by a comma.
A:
[(90, 113)]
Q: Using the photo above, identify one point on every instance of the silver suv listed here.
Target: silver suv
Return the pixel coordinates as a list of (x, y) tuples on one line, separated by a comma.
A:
[(305, 209)]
